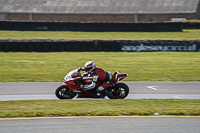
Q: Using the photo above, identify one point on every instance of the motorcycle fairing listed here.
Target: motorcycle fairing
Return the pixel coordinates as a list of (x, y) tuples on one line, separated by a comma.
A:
[(119, 75)]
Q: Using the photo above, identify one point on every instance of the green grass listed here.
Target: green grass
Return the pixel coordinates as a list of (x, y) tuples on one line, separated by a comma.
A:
[(144, 66), (46, 108), (63, 35)]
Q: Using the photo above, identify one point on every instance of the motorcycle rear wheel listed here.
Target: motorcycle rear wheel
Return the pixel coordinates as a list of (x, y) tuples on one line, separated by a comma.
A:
[(63, 92), (118, 91)]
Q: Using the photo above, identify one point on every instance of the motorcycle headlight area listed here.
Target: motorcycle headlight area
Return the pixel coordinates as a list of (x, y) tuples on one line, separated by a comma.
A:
[(67, 78)]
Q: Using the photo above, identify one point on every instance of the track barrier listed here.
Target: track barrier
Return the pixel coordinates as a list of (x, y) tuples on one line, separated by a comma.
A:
[(99, 45), (90, 26)]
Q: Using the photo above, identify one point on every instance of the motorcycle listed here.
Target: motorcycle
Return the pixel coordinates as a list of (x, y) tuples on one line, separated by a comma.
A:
[(73, 80)]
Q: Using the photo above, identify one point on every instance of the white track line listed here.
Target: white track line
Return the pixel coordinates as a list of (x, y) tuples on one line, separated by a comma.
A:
[(152, 87)]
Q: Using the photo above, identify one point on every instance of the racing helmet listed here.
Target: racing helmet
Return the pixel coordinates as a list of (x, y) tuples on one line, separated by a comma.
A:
[(89, 66)]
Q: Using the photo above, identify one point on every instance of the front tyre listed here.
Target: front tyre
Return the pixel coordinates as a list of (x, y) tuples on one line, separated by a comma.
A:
[(63, 92), (118, 91)]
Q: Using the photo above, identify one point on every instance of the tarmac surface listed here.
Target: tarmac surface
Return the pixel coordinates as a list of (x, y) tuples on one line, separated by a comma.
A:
[(138, 90), (102, 125), (118, 124)]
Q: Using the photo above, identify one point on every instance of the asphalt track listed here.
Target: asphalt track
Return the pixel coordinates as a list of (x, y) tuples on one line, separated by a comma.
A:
[(102, 125), (138, 90)]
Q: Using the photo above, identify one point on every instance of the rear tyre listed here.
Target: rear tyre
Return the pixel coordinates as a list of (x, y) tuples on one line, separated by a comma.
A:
[(63, 92), (118, 91)]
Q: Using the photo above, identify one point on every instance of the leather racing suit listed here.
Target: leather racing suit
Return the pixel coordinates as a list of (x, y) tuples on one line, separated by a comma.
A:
[(101, 79)]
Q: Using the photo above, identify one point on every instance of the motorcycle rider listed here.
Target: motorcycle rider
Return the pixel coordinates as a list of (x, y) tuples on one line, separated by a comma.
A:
[(101, 78)]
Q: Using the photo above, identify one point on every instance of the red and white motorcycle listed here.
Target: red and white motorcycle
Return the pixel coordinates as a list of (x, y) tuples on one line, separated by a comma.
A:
[(72, 82)]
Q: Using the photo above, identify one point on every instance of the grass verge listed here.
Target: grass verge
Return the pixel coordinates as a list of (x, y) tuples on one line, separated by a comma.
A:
[(50, 108), (69, 35), (144, 66)]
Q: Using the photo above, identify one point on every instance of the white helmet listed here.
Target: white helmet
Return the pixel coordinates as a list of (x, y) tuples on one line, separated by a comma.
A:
[(89, 66)]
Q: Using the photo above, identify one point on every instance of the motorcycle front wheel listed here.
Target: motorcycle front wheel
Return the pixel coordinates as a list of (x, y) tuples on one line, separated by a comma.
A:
[(118, 91), (63, 92)]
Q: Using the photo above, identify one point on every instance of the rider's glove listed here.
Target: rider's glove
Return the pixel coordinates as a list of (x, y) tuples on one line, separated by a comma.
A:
[(80, 69)]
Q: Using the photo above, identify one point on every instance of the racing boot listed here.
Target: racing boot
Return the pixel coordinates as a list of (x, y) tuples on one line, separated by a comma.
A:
[(101, 93)]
